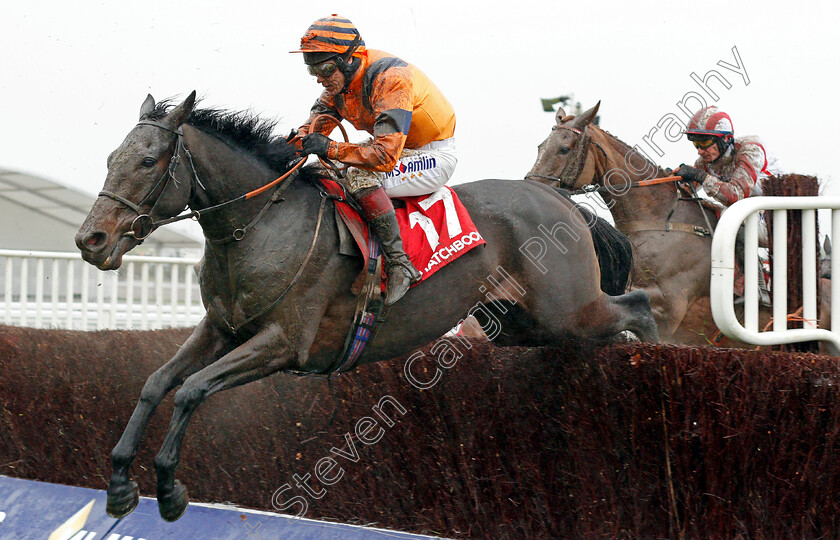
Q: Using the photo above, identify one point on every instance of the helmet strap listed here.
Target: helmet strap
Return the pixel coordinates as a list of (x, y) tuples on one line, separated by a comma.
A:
[(724, 144), (352, 48), (346, 63)]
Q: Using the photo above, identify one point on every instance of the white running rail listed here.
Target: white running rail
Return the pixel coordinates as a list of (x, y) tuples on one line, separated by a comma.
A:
[(59, 290), (723, 272)]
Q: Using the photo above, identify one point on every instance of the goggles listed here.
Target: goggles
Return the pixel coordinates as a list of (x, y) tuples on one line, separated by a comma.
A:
[(703, 143), (324, 69)]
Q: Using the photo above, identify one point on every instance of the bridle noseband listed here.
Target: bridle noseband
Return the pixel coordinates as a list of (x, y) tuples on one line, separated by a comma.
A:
[(574, 166)]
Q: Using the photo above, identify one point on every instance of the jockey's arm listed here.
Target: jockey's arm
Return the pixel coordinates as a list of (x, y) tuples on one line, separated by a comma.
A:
[(323, 105), (382, 153), (740, 186), (391, 104)]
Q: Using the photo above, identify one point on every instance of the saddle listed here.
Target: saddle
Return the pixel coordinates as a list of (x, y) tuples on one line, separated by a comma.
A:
[(445, 232), (436, 229)]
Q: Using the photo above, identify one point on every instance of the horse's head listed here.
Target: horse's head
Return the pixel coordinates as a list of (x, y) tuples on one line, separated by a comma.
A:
[(562, 156), (140, 187)]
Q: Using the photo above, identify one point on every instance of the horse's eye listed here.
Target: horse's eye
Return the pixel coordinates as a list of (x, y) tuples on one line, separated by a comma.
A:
[(149, 162), (563, 150)]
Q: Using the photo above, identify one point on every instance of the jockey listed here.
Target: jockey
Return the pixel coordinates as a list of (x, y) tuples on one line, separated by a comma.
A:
[(729, 169), (412, 151)]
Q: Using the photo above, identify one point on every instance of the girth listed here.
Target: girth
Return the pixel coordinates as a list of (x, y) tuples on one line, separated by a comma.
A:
[(665, 226)]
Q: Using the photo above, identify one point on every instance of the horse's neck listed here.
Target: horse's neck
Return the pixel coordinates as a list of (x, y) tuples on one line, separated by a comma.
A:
[(222, 174), (615, 164)]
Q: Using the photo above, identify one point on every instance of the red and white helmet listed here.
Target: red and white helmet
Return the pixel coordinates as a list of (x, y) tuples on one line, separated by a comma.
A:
[(710, 121), (710, 124)]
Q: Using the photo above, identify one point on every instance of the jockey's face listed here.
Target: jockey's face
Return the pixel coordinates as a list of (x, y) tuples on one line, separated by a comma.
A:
[(332, 83), (709, 154)]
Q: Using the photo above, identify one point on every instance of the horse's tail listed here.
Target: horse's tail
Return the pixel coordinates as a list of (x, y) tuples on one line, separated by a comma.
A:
[(613, 248), (615, 255)]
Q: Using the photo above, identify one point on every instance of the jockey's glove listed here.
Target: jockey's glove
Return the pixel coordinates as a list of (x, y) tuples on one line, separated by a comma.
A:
[(690, 173), (315, 143)]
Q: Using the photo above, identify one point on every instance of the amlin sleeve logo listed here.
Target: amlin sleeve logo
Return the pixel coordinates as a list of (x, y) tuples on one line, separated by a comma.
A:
[(422, 163)]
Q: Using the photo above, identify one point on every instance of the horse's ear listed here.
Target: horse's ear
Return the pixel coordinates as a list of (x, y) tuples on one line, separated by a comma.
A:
[(587, 117), (560, 115), (180, 113), (147, 107), (827, 245)]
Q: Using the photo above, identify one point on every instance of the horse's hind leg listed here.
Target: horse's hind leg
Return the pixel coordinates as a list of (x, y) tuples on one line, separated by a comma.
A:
[(612, 315), (262, 355), (203, 347), (638, 317)]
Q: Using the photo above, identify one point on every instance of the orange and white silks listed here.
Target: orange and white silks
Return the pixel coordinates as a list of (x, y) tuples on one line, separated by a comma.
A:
[(385, 88)]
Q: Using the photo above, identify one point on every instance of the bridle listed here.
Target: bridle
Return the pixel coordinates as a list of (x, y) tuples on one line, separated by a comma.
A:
[(574, 167), (144, 224)]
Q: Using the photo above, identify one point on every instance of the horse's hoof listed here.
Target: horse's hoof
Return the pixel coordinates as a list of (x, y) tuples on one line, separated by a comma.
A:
[(173, 505), (122, 500)]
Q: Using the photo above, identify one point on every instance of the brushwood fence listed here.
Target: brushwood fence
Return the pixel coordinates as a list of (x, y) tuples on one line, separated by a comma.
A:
[(630, 441)]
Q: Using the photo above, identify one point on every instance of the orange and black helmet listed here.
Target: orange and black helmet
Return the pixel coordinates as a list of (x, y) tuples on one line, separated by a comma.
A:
[(329, 37)]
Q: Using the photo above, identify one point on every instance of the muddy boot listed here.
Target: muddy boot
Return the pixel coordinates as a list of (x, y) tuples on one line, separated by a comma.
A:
[(738, 285), (380, 215)]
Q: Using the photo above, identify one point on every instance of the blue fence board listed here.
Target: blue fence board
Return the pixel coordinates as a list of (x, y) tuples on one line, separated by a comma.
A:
[(34, 510)]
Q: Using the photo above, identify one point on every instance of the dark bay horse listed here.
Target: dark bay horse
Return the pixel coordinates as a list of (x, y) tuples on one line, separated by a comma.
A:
[(278, 293), (669, 232)]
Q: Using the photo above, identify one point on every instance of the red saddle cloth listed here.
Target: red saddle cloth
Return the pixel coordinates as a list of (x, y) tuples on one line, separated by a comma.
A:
[(436, 229)]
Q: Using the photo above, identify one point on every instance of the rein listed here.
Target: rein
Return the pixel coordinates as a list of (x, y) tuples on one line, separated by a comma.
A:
[(144, 224), (574, 167), (590, 188), (235, 328)]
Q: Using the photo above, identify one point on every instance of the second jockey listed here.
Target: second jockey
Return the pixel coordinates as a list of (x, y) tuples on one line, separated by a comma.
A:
[(412, 151), (729, 169)]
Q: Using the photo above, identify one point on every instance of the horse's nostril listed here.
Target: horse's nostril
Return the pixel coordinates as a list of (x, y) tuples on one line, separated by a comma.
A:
[(92, 241)]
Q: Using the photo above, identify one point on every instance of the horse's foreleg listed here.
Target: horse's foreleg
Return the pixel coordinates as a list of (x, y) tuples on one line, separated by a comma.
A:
[(264, 354), (669, 308), (203, 347)]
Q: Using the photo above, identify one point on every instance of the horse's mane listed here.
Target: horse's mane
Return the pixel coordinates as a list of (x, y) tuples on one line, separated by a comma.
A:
[(625, 148), (243, 129)]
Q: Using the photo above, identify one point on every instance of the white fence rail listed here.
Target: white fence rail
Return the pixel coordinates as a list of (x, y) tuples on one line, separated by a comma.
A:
[(723, 271), (59, 290)]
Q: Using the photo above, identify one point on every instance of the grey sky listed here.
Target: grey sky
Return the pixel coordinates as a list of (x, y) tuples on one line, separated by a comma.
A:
[(75, 73)]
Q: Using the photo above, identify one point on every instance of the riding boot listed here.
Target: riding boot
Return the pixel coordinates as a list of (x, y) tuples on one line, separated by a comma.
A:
[(738, 285), (380, 216)]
